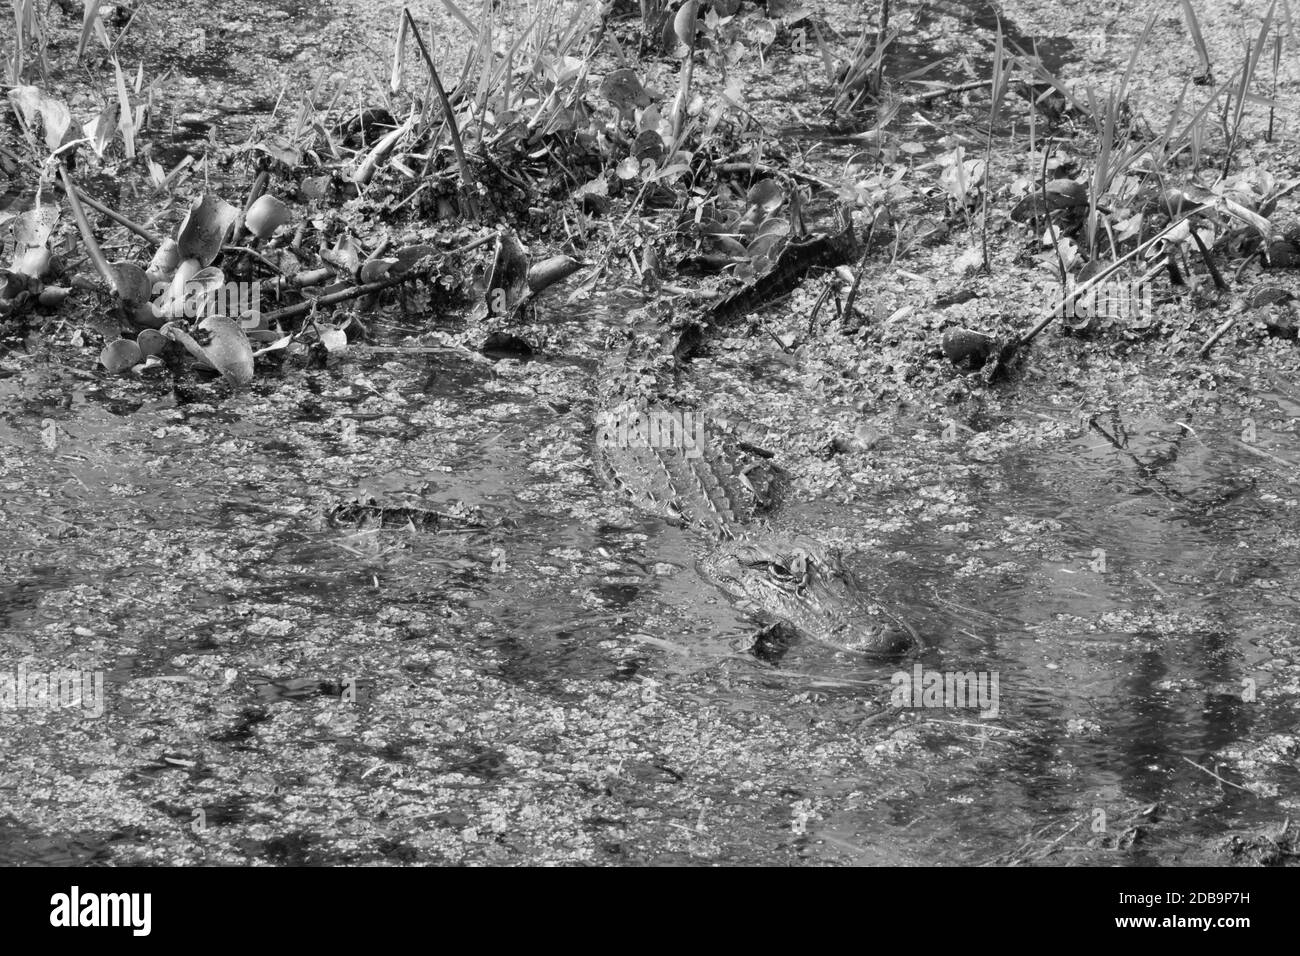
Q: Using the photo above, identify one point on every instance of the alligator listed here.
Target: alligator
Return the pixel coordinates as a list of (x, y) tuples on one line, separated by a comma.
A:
[(672, 463)]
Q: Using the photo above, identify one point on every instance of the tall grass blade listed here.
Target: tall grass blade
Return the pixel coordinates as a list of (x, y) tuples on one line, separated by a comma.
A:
[(1194, 28)]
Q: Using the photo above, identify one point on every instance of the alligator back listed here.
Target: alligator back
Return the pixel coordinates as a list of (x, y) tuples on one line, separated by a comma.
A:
[(669, 463)]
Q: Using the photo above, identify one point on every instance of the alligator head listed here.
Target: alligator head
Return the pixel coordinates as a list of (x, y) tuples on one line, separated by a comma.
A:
[(807, 585)]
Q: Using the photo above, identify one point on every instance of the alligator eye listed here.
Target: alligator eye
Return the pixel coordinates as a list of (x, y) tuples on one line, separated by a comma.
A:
[(774, 569), (788, 577)]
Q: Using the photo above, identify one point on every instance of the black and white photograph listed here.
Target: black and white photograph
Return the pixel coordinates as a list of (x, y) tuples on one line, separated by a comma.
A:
[(646, 433)]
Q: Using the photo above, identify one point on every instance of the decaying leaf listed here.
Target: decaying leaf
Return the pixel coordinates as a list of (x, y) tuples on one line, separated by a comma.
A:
[(32, 103), (33, 227)]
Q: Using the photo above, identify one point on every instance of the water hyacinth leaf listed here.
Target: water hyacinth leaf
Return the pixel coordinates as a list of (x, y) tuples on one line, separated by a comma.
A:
[(649, 145), (375, 269), (151, 342), (32, 103), (132, 283), (146, 316), (731, 246), (52, 296), (120, 356), (187, 269), (334, 340), (266, 215), (650, 120), (1252, 219), (762, 246), (189, 285), (684, 24), (623, 90), (279, 344), (205, 227), (228, 349), (345, 256), (766, 195), (1062, 193), (774, 226), (1175, 236), (198, 289)]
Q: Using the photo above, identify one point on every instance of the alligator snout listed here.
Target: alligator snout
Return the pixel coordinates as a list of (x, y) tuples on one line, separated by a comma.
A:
[(896, 642), (875, 640)]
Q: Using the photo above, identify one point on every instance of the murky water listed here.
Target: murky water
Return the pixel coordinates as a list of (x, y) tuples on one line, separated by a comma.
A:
[(1121, 628), (1128, 584)]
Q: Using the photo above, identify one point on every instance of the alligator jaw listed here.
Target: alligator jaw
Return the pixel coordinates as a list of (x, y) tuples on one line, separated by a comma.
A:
[(807, 586)]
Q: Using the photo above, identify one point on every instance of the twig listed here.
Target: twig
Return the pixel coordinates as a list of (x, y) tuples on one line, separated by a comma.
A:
[(340, 296), (1217, 777), (920, 98), (1218, 334)]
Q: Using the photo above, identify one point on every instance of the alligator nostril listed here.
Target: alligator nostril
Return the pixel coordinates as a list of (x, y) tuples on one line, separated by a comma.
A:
[(896, 640)]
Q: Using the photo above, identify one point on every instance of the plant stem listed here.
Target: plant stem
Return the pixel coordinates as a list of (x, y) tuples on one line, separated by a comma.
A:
[(466, 174), (87, 236)]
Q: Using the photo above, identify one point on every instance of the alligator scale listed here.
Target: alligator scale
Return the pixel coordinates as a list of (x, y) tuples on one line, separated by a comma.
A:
[(670, 462)]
